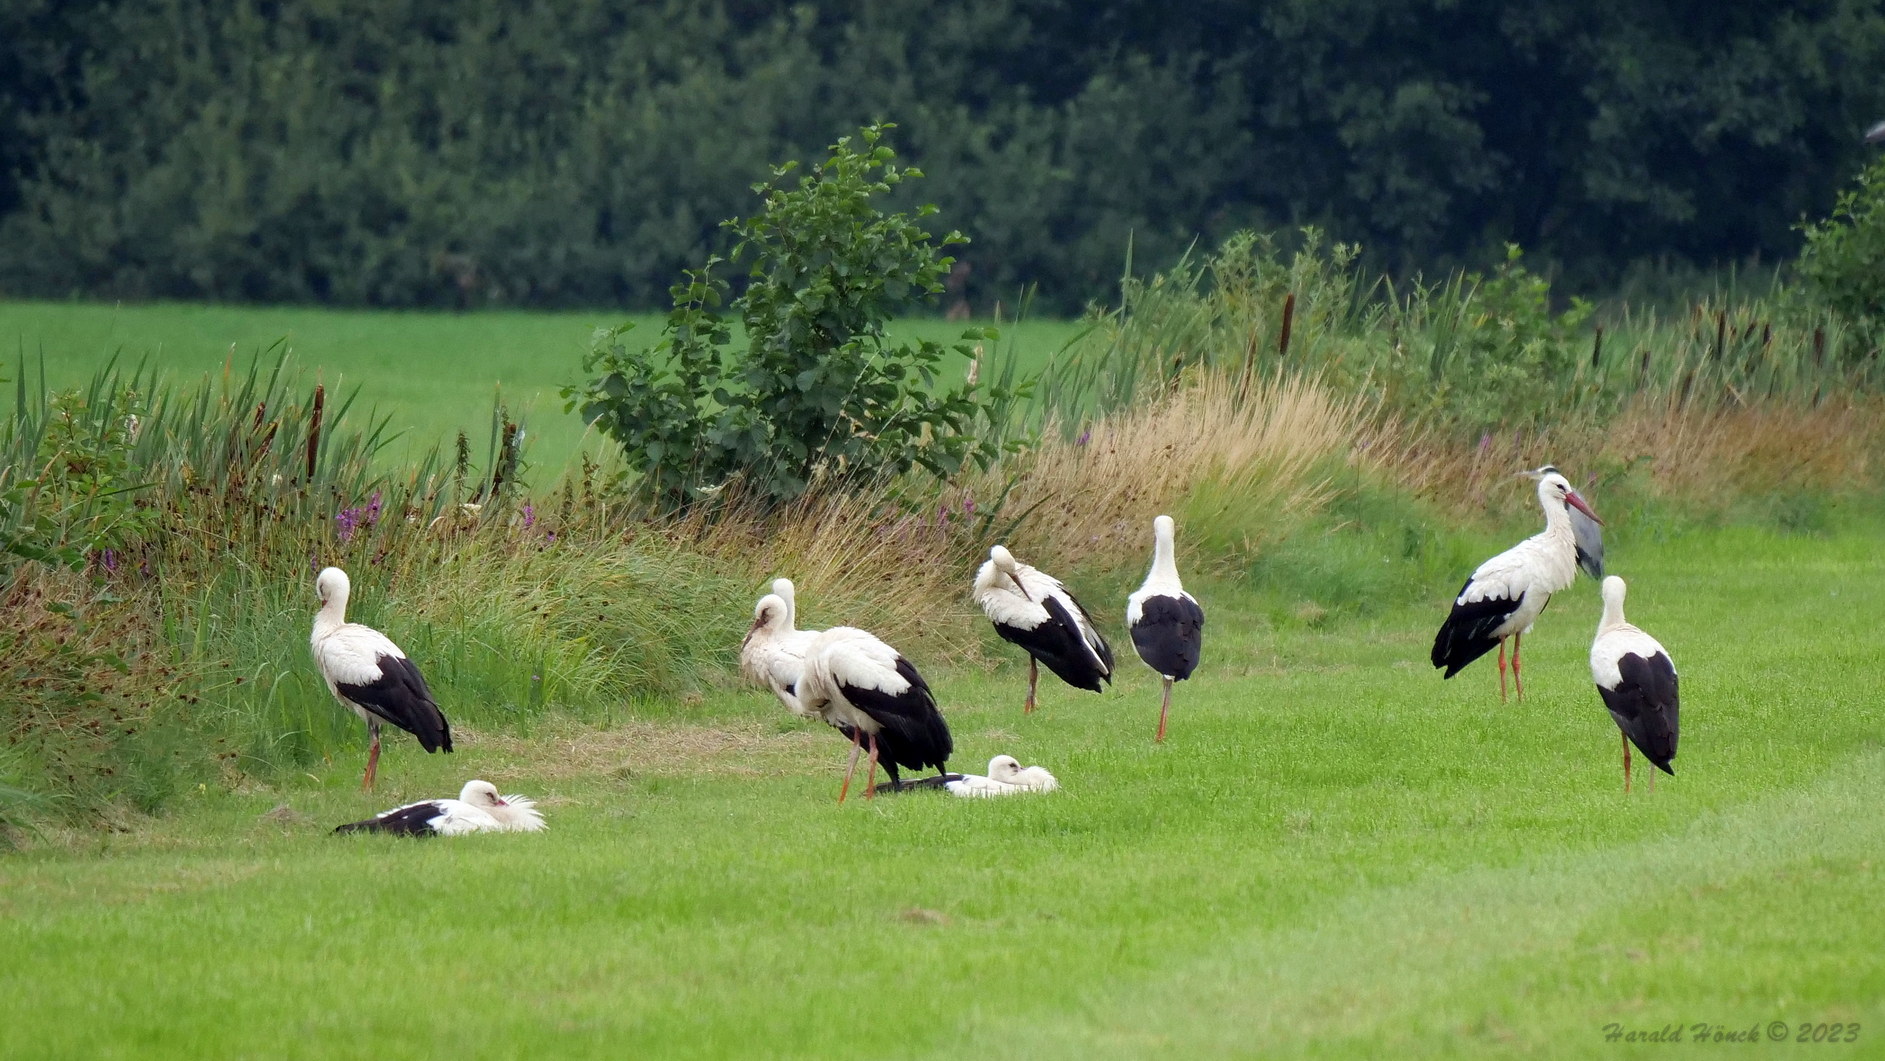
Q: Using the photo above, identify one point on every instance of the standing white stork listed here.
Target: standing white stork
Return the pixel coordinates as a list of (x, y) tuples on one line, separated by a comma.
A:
[(369, 674), (870, 692), (478, 809), (1167, 624), (1034, 610), (1637, 680), (1506, 593)]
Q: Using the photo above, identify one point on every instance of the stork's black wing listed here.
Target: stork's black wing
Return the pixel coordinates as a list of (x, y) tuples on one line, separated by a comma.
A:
[(399, 696), (1646, 706), (1468, 632)]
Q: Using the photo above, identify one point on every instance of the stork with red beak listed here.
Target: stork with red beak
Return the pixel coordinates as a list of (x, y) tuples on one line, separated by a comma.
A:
[(1507, 593)]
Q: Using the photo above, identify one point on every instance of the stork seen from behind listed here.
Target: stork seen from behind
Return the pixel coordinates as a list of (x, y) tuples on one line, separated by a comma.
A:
[(1166, 623), (1637, 681)]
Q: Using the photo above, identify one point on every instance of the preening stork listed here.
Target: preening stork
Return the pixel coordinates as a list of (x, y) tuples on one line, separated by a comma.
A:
[(1034, 610), (1006, 777), (1637, 680), (369, 674), (1506, 594), (773, 653), (1167, 624), (478, 809), (872, 694)]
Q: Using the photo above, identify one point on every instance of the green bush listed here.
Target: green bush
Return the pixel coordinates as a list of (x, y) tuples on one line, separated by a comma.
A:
[(1842, 266), (821, 395)]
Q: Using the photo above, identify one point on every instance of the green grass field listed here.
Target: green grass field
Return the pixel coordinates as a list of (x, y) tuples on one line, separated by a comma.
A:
[(1335, 854), (434, 374)]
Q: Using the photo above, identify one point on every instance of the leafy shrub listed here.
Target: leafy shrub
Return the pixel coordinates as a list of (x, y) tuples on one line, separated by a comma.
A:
[(1842, 266), (821, 393)]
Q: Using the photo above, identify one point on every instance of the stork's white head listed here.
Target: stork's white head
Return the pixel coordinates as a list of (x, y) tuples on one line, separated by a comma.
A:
[(770, 615), (1004, 768), (1163, 528), (1554, 488), (1004, 560), (332, 583), (481, 794), (785, 590), (1614, 589)]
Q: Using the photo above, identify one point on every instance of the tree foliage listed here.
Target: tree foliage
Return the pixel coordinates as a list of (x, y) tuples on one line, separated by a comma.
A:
[(419, 152), (821, 393)]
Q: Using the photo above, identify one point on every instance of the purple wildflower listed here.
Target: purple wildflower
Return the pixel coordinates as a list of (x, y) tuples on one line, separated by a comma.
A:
[(346, 522), (549, 538), (1085, 437), (530, 515), (109, 557), (373, 509), (968, 506)]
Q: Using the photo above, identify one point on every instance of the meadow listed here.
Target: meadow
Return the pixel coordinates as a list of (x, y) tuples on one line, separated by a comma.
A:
[(1334, 854), (430, 374)]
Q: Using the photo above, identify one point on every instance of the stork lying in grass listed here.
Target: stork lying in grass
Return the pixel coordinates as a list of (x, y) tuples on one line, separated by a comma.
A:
[(478, 809)]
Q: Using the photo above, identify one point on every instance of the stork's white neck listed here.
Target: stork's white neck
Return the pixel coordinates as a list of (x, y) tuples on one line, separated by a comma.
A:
[(1613, 606), (1164, 573), (1557, 514), (333, 613), (788, 593)]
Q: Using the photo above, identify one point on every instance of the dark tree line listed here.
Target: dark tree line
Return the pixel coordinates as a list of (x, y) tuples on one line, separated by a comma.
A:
[(471, 152)]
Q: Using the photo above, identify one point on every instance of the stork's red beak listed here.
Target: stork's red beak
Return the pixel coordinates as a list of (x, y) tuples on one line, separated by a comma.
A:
[(1576, 501)]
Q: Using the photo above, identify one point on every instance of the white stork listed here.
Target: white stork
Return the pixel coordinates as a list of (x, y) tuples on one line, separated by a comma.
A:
[(1034, 610), (1006, 777), (1637, 680), (369, 674), (872, 694), (1167, 624), (1506, 593), (478, 809)]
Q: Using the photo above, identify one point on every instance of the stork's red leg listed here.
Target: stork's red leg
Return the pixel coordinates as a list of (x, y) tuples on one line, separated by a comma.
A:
[(1034, 675), (1626, 762), (1162, 709), (1518, 687), (1502, 670), (852, 766), (870, 784), (373, 764)]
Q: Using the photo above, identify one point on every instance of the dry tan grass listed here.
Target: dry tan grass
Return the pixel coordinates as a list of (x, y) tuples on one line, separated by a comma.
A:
[(1700, 455), (570, 750), (1248, 463)]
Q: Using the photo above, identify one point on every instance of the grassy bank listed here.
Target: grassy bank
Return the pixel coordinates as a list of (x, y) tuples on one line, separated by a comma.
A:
[(1336, 854)]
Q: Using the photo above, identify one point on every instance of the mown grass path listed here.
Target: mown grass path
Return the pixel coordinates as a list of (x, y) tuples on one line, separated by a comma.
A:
[(1335, 854)]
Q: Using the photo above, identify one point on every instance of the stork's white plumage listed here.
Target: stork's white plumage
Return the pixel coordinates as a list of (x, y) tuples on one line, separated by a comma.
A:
[(1034, 610), (370, 675), (773, 654), (1637, 681), (1166, 623), (855, 681), (1006, 777), (478, 809), (1506, 593)]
